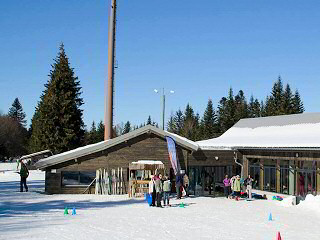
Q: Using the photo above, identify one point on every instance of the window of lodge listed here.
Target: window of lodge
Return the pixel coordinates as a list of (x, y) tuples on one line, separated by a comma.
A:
[(75, 178)]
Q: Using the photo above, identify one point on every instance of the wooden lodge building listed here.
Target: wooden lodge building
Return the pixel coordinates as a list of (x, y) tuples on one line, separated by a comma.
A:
[(281, 153)]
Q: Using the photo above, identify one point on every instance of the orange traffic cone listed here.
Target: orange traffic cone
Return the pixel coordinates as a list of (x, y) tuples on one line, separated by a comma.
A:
[(279, 236)]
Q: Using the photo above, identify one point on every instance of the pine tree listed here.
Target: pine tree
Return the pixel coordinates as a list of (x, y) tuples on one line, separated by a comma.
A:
[(262, 109), (189, 123), (197, 133), (222, 115), (209, 122), (171, 124), (93, 134), (241, 107), (297, 103), (275, 101), (127, 128), (57, 123), (226, 112), (269, 107), (100, 131), (16, 113), (178, 122), (288, 100), (254, 108)]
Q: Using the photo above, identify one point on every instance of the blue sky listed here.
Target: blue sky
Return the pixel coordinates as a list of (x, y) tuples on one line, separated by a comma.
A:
[(196, 48)]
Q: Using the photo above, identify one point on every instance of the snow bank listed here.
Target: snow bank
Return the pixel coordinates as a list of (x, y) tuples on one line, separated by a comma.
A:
[(9, 176), (287, 202), (310, 203), (8, 166)]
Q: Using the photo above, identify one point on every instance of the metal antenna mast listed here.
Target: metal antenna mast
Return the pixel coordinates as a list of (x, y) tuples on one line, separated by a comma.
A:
[(108, 112)]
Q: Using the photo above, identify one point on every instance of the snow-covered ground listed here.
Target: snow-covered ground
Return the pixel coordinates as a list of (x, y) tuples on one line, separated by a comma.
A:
[(34, 215)]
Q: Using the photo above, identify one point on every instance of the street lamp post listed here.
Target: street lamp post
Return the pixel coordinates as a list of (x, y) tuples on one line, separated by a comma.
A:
[(163, 101)]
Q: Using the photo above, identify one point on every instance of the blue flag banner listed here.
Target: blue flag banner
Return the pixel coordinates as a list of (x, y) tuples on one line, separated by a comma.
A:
[(173, 155)]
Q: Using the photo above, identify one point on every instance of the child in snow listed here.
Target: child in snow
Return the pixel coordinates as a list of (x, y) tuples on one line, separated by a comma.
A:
[(166, 190)]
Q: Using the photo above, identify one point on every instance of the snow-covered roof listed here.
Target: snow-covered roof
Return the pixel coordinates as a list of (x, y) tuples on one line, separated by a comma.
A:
[(286, 131), (92, 148), (35, 154), (149, 162)]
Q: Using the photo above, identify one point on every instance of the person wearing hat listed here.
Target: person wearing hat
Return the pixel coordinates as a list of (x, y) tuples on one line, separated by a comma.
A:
[(24, 173)]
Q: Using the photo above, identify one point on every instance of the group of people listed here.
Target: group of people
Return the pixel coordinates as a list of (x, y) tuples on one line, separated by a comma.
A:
[(232, 186), (160, 188)]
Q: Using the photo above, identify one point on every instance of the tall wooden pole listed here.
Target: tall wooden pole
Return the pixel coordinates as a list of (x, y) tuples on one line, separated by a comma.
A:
[(108, 115)]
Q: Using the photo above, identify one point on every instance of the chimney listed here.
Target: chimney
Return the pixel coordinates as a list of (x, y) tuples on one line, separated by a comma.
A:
[(108, 112)]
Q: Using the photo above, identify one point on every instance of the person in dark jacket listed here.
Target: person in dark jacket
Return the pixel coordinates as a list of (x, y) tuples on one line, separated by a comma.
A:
[(159, 187), (24, 173), (178, 185)]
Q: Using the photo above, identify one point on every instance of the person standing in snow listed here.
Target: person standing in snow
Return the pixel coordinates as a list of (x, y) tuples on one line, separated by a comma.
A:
[(301, 185), (186, 184), (178, 185), (232, 185), (236, 186), (24, 173), (226, 183), (152, 191), (166, 190), (159, 188), (248, 183)]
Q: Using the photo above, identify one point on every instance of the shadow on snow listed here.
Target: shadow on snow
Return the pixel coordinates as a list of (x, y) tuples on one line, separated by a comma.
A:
[(14, 203)]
